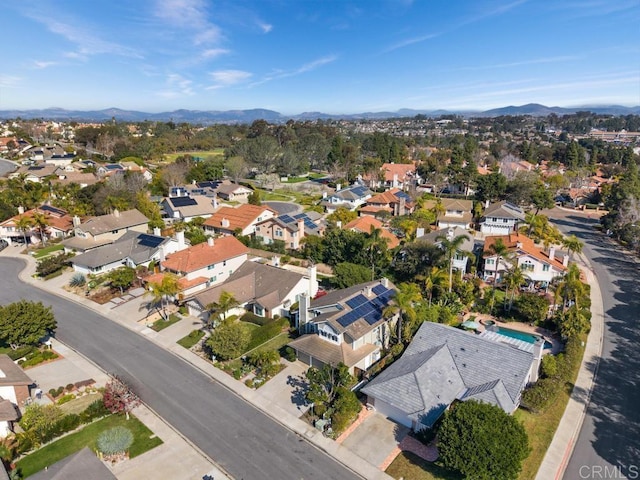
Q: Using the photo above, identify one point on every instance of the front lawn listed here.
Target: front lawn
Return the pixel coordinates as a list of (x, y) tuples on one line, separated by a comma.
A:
[(43, 252), (143, 441), (218, 152), (191, 339), (161, 324), (410, 466)]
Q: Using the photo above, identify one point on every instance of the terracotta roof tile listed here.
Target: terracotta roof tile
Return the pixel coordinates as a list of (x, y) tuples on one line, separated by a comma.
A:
[(201, 255), (240, 217)]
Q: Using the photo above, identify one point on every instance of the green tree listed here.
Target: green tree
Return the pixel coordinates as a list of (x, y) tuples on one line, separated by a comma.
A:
[(161, 291), (38, 420), (254, 197), (122, 278), (226, 302), (25, 323), (542, 197), (573, 244), (348, 274), (375, 246), (41, 223), (451, 246), (532, 307), (482, 441), (435, 278), (24, 224), (342, 215), (229, 340), (404, 301), (324, 383), (513, 280)]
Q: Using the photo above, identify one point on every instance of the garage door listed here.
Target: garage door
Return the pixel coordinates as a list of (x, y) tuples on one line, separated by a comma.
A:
[(393, 413)]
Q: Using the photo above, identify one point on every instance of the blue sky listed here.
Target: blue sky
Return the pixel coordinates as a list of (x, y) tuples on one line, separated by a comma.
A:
[(333, 56)]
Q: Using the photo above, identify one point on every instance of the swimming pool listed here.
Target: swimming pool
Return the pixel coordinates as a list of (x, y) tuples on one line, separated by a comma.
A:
[(525, 337)]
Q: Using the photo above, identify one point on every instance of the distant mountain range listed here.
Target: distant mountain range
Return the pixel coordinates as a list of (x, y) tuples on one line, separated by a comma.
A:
[(248, 116)]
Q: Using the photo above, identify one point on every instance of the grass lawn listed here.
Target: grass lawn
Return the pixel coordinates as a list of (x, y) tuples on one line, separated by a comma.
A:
[(296, 179), (410, 466), (216, 152), (162, 324), (80, 404), (191, 339), (276, 343), (43, 252), (315, 176), (87, 437), (267, 196)]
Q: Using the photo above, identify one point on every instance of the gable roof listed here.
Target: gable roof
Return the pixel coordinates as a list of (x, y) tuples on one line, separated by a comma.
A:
[(228, 188), (113, 221), (466, 246), (366, 223), (139, 247), (239, 217), (201, 255), (522, 245), (402, 170), (191, 206), (78, 466), (11, 374), (354, 192), (389, 197), (56, 218), (443, 363), (265, 284), (504, 209)]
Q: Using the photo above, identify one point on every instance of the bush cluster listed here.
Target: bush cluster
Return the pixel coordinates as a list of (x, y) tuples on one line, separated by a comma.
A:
[(267, 332), (115, 440), (53, 264), (251, 317), (37, 357)]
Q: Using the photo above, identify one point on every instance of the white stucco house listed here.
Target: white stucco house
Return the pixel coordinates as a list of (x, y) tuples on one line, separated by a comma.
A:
[(501, 218)]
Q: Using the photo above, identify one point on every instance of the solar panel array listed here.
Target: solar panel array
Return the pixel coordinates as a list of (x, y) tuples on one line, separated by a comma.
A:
[(369, 310), (359, 191), (307, 221), (52, 210), (150, 241), (183, 201), (401, 194)]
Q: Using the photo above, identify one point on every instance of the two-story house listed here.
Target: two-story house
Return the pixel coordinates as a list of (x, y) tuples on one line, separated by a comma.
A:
[(501, 218), (350, 198), (457, 213), (290, 229), (345, 326), (462, 257), (264, 290), (537, 265), (59, 225), (105, 229), (180, 206), (244, 218), (233, 192), (368, 224), (14, 391), (394, 201), (206, 264)]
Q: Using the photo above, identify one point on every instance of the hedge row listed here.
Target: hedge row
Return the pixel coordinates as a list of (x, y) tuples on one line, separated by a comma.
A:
[(267, 332)]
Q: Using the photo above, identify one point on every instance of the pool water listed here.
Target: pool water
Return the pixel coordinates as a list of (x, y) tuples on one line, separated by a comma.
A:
[(525, 337)]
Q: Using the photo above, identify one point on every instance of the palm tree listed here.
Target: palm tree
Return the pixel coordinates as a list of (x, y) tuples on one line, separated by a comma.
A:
[(41, 223), (435, 278), (571, 288), (225, 302), (501, 251), (404, 300), (451, 246), (166, 288), (573, 244), (375, 245), (513, 279), (24, 224)]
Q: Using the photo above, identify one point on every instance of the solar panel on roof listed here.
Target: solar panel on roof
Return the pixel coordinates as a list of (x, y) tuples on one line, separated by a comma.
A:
[(355, 302), (183, 201), (150, 241), (286, 219), (403, 195), (53, 210), (373, 317), (347, 319), (379, 289)]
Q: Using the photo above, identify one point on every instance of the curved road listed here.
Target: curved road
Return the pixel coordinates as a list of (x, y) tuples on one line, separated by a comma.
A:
[(241, 439), (608, 445)]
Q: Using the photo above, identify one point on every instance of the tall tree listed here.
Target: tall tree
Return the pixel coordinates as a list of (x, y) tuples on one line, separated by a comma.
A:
[(226, 302), (25, 323), (573, 244), (404, 299), (513, 280), (41, 223), (451, 246), (24, 224)]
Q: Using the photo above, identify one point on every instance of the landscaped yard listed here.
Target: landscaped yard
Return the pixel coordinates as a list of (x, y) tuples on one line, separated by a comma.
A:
[(216, 152), (191, 339), (43, 252), (275, 343), (410, 466), (144, 440), (161, 324)]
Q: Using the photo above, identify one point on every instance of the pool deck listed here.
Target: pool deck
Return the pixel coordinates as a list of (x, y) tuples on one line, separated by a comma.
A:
[(556, 344)]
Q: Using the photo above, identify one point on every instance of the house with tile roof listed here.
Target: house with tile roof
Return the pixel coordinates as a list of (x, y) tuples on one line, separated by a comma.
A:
[(400, 175), (264, 290), (104, 229), (394, 201), (206, 264), (457, 213), (290, 229), (366, 224), (245, 217), (501, 218), (14, 391), (345, 326), (536, 264), (233, 192), (350, 198), (60, 225), (133, 249), (442, 365)]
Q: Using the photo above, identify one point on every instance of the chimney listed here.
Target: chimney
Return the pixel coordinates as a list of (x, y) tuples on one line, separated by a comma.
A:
[(565, 260), (116, 212), (552, 253), (385, 282), (367, 291), (403, 206), (76, 221), (180, 239), (338, 187), (537, 359), (210, 241), (395, 180), (313, 280), (300, 228), (419, 232), (157, 232), (20, 210), (338, 224), (214, 202), (303, 311), (224, 223)]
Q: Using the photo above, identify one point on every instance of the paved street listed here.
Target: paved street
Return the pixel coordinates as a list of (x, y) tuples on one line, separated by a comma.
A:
[(610, 434), (240, 438)]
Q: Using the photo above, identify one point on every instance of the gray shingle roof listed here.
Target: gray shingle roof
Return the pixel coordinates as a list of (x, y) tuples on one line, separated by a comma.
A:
[(444, 363), (114, 221), (130, 245), (504, 210)]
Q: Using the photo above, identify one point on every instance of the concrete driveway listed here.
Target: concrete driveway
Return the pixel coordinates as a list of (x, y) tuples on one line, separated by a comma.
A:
[(375, 438), (287, 389)]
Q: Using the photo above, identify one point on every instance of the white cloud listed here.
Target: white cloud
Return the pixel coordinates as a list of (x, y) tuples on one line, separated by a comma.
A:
[(39, 64), (265, 27), (214, 53), (307, 67), (9, 81), (177, 86), (226, 78), (190, 15)]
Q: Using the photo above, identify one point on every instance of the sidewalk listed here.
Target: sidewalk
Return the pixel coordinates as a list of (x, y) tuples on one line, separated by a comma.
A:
[(555, 460), (130, 314)]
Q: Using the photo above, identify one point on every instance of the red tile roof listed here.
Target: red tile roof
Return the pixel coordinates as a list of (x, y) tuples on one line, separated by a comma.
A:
[(366, 223), (401, 169), (202, 255), (240, 217), (522, 244)]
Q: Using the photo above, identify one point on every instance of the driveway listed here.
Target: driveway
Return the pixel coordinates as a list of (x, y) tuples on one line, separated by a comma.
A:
[(284, 208), (375, 438), (287, 389)]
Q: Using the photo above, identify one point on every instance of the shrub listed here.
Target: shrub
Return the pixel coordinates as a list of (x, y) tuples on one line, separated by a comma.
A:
[(59, 391), (255, 319), (77, 280), (65, 398), (20, 352), (53, 265), (115, 440), (290, 354), (549, 367), (346, 408), (237, 373), (249, 382), (69, 387), (266, 332), (539, 396), (93, 411)]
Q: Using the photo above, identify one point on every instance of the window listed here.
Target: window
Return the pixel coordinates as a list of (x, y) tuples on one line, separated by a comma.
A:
[(527, 266), (224, 263), (545, 267), (505, 220), (211, 267), (278, 233), (490, 261)]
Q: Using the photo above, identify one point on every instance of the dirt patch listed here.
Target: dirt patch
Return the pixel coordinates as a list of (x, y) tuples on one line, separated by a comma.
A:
[(79, 404)]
